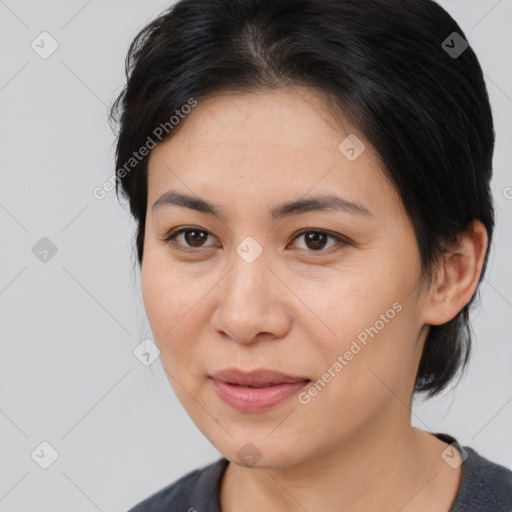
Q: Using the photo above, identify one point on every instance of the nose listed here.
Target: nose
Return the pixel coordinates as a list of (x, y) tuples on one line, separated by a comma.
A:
[(252, 304)]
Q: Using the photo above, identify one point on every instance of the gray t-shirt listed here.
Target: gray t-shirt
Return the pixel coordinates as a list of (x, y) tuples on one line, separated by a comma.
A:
[(485, 487)]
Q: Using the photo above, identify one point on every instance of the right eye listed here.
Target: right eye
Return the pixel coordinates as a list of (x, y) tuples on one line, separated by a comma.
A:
[(192, 236)]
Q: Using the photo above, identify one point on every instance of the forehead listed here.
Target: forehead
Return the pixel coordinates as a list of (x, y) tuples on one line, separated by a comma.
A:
[(266, 143), (293, 118)]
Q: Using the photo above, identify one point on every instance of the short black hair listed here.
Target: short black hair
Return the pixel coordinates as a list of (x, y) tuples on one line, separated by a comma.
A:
[(396, 70)]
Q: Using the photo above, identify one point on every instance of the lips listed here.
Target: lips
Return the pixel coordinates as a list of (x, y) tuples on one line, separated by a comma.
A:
[(256, 378), (256, 391)]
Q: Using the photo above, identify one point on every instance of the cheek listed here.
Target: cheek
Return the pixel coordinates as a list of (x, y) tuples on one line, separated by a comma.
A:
[(166, 298), (165, 290), (371, 321), (175, 303), (169, 313), (378, 358), (356, 381), (343, 304)]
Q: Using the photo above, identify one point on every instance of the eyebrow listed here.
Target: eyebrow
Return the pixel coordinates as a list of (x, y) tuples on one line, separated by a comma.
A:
[(303, 205)]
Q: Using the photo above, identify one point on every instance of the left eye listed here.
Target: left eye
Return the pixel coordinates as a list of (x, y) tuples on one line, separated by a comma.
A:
[(194, 238), (317, 239)]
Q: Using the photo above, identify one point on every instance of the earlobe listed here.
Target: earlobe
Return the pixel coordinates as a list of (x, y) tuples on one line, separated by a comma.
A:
[(458, 276)]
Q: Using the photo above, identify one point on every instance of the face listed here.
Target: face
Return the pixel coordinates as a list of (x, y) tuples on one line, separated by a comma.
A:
[(330, 295)]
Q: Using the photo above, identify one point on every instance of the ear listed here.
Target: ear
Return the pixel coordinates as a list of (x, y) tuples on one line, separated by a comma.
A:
[(457, 278)]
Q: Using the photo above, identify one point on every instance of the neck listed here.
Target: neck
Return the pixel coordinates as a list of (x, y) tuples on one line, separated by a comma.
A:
[(368, 471)]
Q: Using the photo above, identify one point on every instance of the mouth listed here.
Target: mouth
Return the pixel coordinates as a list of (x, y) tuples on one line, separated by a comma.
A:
[(257, 390), (256, 378)]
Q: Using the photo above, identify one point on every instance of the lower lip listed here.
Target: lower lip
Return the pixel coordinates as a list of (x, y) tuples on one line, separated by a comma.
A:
[(246, 399)]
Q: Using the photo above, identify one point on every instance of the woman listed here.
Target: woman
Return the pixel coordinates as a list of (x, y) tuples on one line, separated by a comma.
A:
[(311, 185)]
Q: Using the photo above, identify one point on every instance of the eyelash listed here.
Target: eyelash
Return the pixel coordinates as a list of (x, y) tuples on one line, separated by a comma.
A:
[(169, 239)]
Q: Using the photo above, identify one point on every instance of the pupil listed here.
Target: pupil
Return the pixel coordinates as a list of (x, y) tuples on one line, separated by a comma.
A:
[(312, 237), (191, 239)]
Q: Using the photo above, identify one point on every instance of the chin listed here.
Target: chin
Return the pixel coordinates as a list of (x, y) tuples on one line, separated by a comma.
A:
[(260, 453)]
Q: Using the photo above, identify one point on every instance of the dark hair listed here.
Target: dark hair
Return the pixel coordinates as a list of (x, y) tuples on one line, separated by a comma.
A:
[(386, 64)]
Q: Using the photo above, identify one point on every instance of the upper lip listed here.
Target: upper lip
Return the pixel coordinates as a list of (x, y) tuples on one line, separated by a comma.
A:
[(255, 378)]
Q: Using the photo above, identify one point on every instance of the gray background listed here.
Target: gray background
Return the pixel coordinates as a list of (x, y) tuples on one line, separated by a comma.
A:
[(68, 375)]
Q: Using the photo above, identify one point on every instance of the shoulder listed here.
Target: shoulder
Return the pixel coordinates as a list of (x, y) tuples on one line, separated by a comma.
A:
[(195, 490), (485, 485)]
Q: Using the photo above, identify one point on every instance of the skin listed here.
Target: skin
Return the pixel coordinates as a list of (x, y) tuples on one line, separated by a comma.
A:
[(298, 306)]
